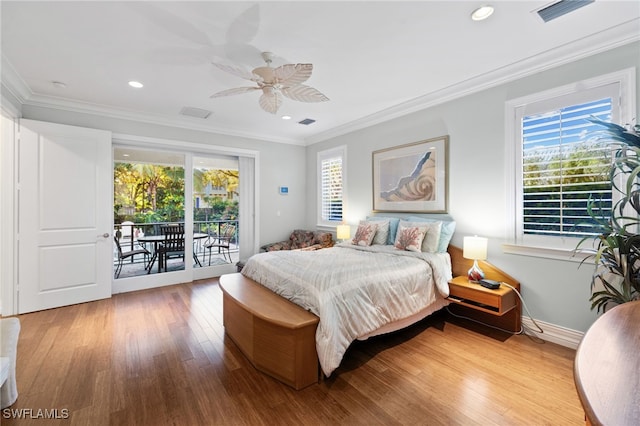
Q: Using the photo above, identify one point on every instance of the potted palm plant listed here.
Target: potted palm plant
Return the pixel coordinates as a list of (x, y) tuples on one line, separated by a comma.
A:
[(616, 278)]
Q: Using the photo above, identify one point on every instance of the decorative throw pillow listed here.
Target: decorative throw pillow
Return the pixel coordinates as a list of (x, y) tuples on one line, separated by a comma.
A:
[(410, 238), (382, 233), (365, 233), (301, 238), (431, 237)]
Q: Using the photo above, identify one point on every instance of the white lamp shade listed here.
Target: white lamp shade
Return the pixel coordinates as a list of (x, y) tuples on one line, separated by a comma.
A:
[(343, 232), (474, 248)]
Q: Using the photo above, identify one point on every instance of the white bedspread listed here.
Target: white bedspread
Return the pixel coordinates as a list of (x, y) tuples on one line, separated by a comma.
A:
[(354, 290)]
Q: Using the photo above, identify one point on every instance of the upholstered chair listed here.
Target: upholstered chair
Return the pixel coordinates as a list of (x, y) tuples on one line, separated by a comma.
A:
[(9, 333), (301, 239)]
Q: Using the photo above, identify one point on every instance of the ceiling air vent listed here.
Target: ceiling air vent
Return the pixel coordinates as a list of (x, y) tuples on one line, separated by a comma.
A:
[(195, 112), (307, 121), (560, 8)]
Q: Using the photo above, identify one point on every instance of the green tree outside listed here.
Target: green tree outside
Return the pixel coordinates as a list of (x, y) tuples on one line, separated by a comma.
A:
[(145, 193)]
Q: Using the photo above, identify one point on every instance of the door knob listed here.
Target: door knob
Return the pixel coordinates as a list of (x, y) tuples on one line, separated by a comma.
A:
[(105, 235)]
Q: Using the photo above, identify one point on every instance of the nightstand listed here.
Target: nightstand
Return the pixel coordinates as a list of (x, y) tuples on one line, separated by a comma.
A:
[(499, 308)]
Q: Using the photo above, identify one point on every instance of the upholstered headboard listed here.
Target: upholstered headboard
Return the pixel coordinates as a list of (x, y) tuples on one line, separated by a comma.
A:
[(446, 232)]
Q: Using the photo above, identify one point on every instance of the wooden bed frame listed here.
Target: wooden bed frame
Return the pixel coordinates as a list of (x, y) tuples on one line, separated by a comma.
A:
[(278, 336)]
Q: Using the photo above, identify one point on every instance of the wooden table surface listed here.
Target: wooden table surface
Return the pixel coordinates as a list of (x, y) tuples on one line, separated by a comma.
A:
[(607, 367)]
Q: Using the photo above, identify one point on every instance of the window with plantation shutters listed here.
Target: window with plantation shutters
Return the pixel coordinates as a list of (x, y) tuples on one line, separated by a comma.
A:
[(563, 168), (558, 167), (331, 184)]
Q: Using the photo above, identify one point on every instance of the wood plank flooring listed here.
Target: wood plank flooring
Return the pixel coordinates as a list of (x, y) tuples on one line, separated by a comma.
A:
[(160, 357)]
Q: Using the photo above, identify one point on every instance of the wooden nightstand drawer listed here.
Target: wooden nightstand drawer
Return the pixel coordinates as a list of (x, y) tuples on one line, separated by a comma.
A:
[(496, 302)]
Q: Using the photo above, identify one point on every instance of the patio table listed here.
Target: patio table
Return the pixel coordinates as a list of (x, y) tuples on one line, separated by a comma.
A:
[(157, 239)]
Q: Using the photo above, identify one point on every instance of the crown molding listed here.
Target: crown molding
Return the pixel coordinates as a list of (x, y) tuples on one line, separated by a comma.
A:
[(605, 40), (20, 90), (9, 107), (13, 83), (158, 119)]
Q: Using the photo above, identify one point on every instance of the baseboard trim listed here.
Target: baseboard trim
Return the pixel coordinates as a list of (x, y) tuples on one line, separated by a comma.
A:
[(554, 333)]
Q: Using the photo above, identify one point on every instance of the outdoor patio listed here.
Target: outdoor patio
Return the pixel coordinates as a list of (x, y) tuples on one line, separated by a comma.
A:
[(148, 236), (136, 265)]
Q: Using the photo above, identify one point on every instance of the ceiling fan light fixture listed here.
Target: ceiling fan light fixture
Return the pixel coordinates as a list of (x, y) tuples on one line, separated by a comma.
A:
[(482, 13), (275, 83)]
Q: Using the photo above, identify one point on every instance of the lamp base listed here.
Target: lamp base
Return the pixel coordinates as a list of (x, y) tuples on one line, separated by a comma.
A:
[(475, 274)]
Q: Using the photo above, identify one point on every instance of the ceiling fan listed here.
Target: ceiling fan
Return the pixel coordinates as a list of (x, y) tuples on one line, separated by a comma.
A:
[(274, 83)]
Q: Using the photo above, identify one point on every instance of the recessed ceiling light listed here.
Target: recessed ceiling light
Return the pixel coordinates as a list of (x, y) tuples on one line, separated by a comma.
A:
[(286, 117), (136, 84), (481, 13), (59, 84)]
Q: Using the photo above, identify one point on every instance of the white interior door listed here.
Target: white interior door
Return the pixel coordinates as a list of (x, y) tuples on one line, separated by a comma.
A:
[(65, 215)]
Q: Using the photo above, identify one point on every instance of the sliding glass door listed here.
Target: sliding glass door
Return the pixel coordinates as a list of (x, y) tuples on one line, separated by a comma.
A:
[(215, 209), (155, 241), (149, 188)]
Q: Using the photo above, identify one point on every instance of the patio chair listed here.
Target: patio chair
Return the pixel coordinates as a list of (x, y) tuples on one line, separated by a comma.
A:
[(222, 241), (122, 255), (171, 246)]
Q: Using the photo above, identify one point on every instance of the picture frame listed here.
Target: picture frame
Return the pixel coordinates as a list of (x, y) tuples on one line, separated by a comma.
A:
[(411, 177)]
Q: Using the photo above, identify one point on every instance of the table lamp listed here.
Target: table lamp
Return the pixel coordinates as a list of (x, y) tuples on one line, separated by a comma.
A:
[(475, 248), (343, 232)]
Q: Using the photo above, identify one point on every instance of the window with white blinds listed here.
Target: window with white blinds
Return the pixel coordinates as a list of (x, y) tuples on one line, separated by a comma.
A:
[(556, 165), (563, 168), (331, 185)]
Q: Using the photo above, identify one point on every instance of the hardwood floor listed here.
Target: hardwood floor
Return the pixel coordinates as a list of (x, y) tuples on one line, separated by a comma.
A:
[(160, 357)]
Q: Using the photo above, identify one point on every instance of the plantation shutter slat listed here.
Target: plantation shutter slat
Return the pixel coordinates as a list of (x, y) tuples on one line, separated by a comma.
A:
[(331, 187), (562, 170)]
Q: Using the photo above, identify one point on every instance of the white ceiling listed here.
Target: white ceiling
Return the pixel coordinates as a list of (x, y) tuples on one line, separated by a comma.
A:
[(374, 60)]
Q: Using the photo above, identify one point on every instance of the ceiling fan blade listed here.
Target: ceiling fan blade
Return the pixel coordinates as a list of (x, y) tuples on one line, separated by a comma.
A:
[(270, 101), (292, 74), (304, 93), (238, 72), (245, 27), (169, 21), (235, 91)]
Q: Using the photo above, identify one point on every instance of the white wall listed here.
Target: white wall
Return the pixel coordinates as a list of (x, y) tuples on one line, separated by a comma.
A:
[(279, 164), (8, 129), (556, 291)]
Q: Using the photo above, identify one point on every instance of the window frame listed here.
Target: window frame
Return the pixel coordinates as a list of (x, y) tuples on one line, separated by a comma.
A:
[(341, 152), (623, 111)]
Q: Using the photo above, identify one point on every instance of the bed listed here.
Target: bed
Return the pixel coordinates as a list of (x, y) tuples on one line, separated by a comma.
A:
[(360, 289)]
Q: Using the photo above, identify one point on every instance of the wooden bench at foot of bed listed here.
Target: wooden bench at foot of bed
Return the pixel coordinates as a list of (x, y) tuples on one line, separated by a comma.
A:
[(276, 335)]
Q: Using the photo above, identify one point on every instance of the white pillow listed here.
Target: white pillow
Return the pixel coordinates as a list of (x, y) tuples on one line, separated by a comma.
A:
[(446, 231), (382, 233), (393, 226)]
